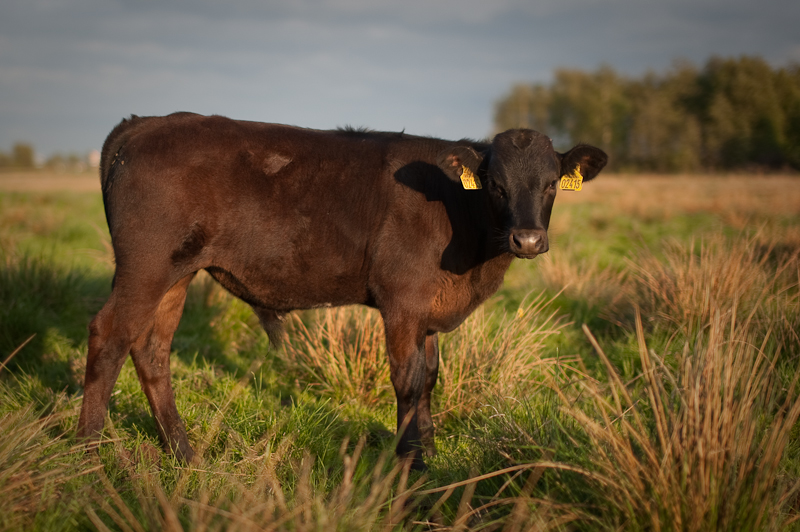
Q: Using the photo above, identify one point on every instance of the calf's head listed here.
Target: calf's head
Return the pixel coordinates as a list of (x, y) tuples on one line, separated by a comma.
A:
[(521, 171)]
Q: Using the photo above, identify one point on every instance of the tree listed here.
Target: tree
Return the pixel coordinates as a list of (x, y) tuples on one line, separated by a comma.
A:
[(664, 136), (787, 85), (22, 155), (743, 118), (591, 108), (527, 106)]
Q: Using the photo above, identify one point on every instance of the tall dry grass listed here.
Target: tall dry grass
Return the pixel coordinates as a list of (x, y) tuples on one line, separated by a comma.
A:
[(694, 447), (37, 467), (585, 280), (495, 355), (696, 441), (745, 278), (341, 355)]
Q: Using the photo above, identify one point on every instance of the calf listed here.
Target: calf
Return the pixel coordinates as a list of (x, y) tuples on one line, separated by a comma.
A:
[(285, 218)]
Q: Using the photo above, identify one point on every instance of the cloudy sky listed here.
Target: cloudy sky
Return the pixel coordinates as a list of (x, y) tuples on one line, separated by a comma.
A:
[(71, 69)]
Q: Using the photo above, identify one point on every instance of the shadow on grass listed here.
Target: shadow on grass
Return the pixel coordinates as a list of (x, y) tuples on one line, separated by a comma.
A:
[(54, 303)]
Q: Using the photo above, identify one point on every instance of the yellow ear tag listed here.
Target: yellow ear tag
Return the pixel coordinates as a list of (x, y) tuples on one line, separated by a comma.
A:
[(469, 180), (573, 180)]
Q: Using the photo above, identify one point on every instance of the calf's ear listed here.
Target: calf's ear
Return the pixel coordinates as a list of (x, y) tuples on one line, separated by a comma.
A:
[(453, 160), (590, 159)]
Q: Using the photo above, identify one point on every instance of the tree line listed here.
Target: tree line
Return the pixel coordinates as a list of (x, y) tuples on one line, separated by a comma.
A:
[(23, 157), (734, 113)]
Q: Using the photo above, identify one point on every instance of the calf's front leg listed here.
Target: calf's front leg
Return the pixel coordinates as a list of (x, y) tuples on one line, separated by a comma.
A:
[(424, 408), (405, 344)]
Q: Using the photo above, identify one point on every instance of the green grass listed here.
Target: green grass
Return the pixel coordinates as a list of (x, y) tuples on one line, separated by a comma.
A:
[(641, 376)]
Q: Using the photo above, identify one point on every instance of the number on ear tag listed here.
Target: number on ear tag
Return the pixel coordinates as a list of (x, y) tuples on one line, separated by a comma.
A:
[(573, 180), (469, 180)]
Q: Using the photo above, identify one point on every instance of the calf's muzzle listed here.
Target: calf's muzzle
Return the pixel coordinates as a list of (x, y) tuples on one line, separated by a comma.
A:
[(527, 243)]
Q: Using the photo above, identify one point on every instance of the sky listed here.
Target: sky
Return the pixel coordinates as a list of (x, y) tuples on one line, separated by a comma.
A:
[(72, 69)]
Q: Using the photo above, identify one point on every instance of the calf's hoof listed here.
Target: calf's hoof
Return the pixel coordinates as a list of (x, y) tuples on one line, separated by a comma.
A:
[(184, 453), (415, 463), (428, 444)]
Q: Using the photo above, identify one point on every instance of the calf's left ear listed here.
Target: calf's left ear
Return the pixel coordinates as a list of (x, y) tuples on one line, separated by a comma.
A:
[(590, 159), (453, 161)]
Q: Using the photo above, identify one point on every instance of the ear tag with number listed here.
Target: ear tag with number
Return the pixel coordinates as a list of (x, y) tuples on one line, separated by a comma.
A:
[(573, 180), (469, 180)]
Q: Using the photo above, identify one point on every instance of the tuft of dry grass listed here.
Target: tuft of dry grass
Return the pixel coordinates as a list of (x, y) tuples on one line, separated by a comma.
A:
[(36, 468), (494, 355), (694, 447), (746, 276), (584, 279), (341, 355)]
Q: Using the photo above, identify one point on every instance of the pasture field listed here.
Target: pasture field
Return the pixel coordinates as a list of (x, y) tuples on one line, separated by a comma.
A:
[(642, 375)]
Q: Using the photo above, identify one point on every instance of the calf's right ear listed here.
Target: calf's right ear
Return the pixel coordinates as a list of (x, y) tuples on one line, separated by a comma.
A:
[(453, 160)]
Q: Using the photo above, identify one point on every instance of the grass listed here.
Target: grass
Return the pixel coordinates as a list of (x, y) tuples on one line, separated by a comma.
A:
[(640, 376)]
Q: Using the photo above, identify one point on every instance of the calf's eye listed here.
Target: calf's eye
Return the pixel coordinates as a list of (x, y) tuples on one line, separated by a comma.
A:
[(500, 191)]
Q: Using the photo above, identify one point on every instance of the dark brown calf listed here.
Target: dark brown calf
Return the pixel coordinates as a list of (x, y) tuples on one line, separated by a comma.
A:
[(288, 218)]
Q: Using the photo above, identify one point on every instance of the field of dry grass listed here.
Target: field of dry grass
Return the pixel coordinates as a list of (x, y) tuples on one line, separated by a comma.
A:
[(640, 376), (47, 181)]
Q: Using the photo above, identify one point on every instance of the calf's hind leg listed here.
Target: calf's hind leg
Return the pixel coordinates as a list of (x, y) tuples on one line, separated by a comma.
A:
[(150, 353), (112, 332), (127, 318), (109, 344)]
